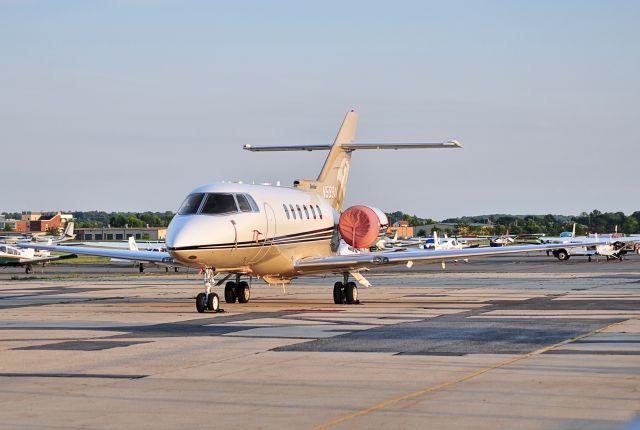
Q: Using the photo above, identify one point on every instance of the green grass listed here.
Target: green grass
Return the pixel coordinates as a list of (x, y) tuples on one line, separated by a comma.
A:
[(82, 259)]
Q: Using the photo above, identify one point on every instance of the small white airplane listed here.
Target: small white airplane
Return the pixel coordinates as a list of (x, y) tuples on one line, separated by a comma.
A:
[(386, 242), (446, 242), (11, 256), (280, 233), (132, 245), (68, 234), (617, 246)]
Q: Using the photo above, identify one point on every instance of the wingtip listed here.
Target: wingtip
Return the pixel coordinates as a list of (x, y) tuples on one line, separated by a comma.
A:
[(455, 143)]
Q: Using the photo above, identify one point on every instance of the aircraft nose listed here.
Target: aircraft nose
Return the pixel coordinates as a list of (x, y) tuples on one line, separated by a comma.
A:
[(180, 233)]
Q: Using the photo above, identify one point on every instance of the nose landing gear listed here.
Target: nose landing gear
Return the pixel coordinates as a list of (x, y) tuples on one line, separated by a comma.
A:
[(208, 301)]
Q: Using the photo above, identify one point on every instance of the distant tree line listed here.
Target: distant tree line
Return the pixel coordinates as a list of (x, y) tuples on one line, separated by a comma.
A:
[(587, 222), (96, 219), (413, 219)]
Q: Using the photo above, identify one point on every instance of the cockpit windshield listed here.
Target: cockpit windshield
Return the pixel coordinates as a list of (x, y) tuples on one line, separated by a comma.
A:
[(219, 203), (191, 204)]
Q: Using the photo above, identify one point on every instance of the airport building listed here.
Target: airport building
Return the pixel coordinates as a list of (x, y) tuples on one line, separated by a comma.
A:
[(402, 227), (13, 225), (121, 233), (36, 221)]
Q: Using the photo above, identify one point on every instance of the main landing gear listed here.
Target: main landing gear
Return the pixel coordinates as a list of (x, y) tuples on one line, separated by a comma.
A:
[(238, 290), (345, 292), (208, 301)]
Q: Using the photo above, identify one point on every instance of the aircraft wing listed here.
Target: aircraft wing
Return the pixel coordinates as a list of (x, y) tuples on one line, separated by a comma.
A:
[(378, 259), (123, 254)]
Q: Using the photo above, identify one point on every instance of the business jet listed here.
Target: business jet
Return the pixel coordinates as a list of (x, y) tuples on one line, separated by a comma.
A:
[(278, 234)]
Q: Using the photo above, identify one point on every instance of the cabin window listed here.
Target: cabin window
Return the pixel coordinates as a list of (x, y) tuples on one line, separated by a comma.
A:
[(219, 203), (252, 202), (243, 203), (319, 211), (191, 204), (299, 211), (313, 212), (293, 212), (306, 211), (286, 211)]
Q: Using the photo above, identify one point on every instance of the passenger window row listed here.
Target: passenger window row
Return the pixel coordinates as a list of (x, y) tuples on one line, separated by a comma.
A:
[(217, 204), (291, 212)]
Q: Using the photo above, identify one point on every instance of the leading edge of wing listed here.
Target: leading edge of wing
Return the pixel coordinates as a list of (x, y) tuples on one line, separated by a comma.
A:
[(365, 260), (123, 254)]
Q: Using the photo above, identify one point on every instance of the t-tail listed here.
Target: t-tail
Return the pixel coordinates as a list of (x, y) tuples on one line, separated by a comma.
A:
[(68, 231), (331, 183)]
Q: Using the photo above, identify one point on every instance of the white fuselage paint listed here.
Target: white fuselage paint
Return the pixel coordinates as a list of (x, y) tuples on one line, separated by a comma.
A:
[(265, 243)]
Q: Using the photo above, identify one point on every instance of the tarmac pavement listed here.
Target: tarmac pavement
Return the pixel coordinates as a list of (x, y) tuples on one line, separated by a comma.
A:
[(521, 342)]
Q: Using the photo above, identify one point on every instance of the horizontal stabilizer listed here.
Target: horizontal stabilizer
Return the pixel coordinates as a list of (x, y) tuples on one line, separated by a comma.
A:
[(353, 146)]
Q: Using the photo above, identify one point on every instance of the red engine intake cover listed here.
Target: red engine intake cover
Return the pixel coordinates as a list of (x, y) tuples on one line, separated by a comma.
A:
[(359, 226)]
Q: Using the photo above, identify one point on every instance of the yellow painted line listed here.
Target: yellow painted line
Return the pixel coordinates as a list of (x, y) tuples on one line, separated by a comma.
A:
[(434, 388)]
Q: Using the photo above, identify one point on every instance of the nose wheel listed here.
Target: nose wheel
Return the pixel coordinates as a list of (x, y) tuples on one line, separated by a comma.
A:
[(208, 301)]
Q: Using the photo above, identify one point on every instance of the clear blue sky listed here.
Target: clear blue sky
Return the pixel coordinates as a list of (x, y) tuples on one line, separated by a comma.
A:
[(128, 105)]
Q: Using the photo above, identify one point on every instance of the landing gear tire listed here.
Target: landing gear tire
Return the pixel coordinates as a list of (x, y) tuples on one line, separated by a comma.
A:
[(562, 255), (201, 302), (230, 292), (213, 302), (589, 259), (351, 293), (141, 268), (243, 292), (338, 293), (28, 270)]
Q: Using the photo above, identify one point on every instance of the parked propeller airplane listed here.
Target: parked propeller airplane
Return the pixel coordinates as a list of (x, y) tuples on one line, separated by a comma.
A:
[(280, 233), (12, 256)]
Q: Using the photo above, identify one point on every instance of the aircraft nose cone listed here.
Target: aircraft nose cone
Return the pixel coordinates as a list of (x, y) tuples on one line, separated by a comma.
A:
[(179, 233)]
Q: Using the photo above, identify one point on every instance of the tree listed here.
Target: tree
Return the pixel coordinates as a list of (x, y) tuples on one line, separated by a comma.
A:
[(7, 227), (422, 233), (53, 231)]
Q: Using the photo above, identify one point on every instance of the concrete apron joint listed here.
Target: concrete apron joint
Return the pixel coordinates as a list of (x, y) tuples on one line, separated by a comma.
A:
[(434, 388)]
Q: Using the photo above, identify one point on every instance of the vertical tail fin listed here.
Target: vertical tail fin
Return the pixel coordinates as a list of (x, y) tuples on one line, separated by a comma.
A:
[(335, 172), (133, 246), (68, 231)]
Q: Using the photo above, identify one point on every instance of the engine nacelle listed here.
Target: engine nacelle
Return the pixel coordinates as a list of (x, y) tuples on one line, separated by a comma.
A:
[(361, 226)]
